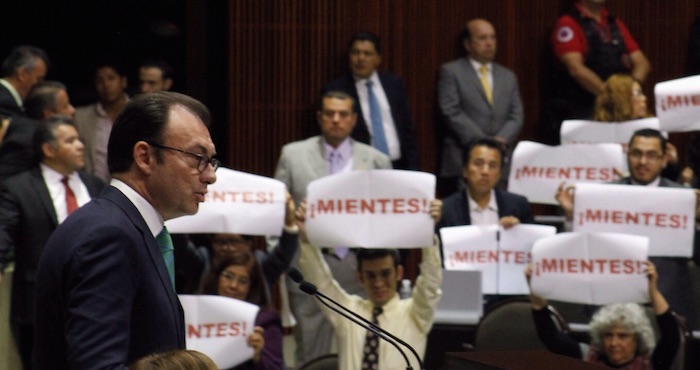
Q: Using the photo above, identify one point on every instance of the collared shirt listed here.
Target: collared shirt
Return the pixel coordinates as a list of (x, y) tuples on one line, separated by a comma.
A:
[(489, 71), (54, 182), (345, 152), (153, 219), (409, 319), (483, 216), (654, 183), (392, 138), (13, 91)]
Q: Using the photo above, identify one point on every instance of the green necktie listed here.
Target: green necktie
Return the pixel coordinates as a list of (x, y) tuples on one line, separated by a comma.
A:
[(165, 242)]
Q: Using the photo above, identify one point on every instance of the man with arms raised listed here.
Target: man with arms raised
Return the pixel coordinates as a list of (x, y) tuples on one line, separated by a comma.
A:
[(646, 158), (379, 271), (105, 285), (302, 162)]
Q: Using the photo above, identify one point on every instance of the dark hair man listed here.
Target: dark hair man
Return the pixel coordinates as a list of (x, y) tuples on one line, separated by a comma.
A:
[(105, 288), (21, 70), (155, 75)]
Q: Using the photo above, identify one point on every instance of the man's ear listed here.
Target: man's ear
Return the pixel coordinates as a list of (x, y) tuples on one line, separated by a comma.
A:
[(143, 158), (48, 150), (399, 272), (359, 277), (167, 83)]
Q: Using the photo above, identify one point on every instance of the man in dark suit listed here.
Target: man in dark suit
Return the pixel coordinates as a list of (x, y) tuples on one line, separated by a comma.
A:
[(481, 171), (397, 136), (477, 98), (32, 204), (45, 100), (482, 203), (105, 284), (646, 159), (21, 70)]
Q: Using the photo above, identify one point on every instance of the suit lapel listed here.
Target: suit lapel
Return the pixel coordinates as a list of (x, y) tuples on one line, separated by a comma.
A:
[(317, 161), (152, 248), (473, 79), (39, 186)]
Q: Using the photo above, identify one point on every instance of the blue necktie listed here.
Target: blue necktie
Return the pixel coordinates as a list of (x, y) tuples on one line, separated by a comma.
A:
[(375, 114), (165, 242)]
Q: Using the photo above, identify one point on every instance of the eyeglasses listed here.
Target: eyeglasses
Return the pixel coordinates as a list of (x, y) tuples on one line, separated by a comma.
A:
[(202, 160), (650, 156)]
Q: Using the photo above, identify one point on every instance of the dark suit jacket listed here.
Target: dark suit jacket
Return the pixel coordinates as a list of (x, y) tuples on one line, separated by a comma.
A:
[(8, 105), (674, 275), (398, 100), (27, 219), (455, 208), (16, 149), (103, 292)]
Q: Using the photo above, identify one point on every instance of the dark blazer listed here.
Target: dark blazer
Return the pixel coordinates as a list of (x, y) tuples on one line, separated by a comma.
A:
[(27, 219), (398, 100), (674, 275), (455, 208), (103, 292), (16, 149), (8, 105)]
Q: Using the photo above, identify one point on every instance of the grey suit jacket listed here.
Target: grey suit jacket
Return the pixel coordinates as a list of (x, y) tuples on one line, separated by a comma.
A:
[(302, 162), (466, 113)]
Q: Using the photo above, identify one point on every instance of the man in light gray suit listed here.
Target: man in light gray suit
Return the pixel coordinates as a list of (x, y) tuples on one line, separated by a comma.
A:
[(477, 98), (301, 162)]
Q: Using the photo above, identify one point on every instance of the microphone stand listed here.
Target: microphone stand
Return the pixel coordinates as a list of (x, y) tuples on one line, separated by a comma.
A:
[(295, 275), (311, 289)]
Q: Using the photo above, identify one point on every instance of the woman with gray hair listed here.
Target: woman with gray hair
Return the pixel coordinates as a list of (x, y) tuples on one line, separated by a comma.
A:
[(621, 334)]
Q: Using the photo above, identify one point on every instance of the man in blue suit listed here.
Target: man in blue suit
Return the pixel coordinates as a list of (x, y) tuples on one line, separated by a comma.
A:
[(105, 285), (398, 139)]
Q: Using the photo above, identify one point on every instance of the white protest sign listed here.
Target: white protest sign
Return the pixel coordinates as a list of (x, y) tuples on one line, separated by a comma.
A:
[(501, 255), (537, 170), (371, 209), (593, 132), (216, 324), (590, 268), (665, 215), (678, 104), (237, 202)]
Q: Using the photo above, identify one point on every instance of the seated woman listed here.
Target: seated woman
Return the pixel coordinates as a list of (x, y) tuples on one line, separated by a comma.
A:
[(240, 277), (621, 334), (622, 99)]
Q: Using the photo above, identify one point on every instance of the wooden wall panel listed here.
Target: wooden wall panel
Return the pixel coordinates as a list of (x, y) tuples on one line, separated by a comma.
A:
[(280, 53)]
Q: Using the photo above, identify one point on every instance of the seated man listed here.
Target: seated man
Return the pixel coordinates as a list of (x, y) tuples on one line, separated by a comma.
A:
[(379, 271), (482, 203), (621, 334)]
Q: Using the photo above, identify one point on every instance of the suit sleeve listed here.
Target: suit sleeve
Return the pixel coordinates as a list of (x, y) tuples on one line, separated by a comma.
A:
[(426, 293), (514, 123), (409, 147), (271, 356), (279, 259), (283, 171), (9, 225), (100, 291), (458, 123)]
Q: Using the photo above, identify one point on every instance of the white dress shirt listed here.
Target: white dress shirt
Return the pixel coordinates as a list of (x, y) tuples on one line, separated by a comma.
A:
[(409, 319), (153, 219), (484, 216), (54, 182), (392, 138)]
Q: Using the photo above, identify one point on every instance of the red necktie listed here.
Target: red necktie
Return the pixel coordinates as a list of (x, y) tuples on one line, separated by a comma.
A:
[(71, 202)]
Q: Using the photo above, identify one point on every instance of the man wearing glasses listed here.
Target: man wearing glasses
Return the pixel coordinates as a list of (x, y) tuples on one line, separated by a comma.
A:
[(105, 284), (646, 158)]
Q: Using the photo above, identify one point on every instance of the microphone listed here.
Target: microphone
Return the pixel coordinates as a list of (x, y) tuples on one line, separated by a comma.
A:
[(311, 289)]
